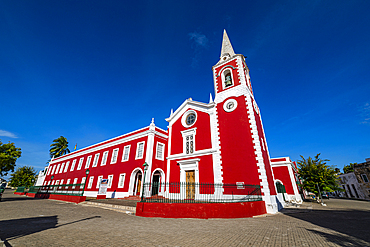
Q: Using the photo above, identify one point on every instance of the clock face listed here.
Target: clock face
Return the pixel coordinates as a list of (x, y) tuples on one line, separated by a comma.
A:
[(230, 105)]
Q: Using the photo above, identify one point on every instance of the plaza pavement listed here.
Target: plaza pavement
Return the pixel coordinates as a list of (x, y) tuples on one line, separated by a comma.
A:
[(36, 222)]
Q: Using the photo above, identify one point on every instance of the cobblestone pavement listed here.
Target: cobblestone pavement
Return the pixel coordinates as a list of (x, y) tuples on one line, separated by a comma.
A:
[(36, 222)]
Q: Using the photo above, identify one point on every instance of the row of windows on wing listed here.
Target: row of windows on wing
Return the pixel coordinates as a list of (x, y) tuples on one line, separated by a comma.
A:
[(121, 181), (63, 167)]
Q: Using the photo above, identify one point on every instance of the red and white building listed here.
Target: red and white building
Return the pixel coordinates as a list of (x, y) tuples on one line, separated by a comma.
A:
[(221, 142)]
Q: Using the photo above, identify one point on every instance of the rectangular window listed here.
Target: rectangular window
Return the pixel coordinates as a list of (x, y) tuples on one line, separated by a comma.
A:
[(61, 181), (61, 168), (74, 182), (121, 181), (114, 156), (52, 170), (140, 150), (66, 168), (91, 180), (88, 162), (110, 180), (104, 159), (73, 165), (126, 153), (83, 180), (52, 183), (56, 170), (80, 163), (188, 137), (96, 159), (364, 177), (99, 181), (160, 151), (49, 170), (57, 182), (68, 181)]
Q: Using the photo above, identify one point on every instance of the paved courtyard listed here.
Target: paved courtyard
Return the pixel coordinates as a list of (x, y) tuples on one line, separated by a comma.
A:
[(35, 222)]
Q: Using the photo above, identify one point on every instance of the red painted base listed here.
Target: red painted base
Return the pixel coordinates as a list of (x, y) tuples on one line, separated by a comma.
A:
[(66, 198), (19, 193), (101, 197), (201, 210)]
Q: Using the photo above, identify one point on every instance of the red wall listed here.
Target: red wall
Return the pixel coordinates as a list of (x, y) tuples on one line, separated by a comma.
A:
[(237, 150), (265, 155), (202, 137), (282, 173), (234, 74), (201, 210)]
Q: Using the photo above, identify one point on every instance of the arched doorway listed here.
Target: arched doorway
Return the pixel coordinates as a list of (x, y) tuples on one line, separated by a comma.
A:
[(156, 183), (137, 183)]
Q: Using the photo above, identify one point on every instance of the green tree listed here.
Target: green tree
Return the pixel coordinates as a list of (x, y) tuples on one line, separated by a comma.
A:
[(23, 177), (59, 147), (315, 172), (8, 156), (349, 168)]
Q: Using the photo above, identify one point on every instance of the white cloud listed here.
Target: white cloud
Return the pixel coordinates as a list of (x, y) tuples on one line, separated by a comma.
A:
[(365, 114), (199, 39), (7, 134)]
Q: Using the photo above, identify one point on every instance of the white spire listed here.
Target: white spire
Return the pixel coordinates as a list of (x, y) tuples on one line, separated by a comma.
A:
[(227, 48), (171, 113), (210, 98)]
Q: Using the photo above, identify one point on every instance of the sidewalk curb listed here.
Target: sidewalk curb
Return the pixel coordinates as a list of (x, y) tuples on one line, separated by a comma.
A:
[(118, 208)]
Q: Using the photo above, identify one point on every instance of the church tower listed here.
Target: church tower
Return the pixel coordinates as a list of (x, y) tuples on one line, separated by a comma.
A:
[(243, 154)]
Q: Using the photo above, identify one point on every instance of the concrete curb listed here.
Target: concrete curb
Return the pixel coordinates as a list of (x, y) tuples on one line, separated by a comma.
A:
[(118, 208)]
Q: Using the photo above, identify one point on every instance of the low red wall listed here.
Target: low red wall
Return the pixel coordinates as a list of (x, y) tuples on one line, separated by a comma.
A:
[(66, 198), (200, 210), (19, 193)]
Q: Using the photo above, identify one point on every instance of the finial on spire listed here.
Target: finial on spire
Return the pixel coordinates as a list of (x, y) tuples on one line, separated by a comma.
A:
[(210, 98), (227, 49), (171, 113)]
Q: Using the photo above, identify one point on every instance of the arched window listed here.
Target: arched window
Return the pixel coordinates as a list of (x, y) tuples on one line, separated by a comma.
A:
[(227, 78)]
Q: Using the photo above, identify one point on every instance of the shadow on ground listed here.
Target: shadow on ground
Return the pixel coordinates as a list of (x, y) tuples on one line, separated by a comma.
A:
[(353, 223), (16, 228)]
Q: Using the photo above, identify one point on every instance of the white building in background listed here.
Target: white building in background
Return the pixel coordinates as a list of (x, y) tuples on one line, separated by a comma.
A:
[(352, 188)]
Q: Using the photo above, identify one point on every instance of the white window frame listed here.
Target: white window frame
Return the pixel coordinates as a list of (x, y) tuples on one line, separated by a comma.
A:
[(91, 181), (188, 133), (80, 163), (83, 180), (88, 161), (52, 170), (99, 181), (96, 160), (157, 153), (68, 181), (364, 176), (110, 180), (126, 150), (223, 78), (66, 167), (137, 157), (104, 158), (121, 181), (74, 182), (73, 165), (56, 170), (114, 158), (61, 168)]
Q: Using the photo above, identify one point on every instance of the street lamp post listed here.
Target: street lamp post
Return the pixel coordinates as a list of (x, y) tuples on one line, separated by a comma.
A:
[(51, 181), (87, 174), (145, 169)]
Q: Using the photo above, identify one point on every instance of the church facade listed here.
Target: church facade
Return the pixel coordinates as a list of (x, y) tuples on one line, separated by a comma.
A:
[(219, 142)]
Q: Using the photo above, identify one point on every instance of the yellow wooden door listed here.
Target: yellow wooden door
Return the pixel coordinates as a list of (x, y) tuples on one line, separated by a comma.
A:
[(190, 184)]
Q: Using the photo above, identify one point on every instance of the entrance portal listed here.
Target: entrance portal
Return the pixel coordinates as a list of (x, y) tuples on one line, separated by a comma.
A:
[(156, 183), (190, 184), (137, 184)]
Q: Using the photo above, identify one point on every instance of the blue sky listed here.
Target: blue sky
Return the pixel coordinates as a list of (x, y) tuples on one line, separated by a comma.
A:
[(93, 70)]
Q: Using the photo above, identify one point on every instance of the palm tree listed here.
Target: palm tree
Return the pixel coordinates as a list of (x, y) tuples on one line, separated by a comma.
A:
[(59, 147)]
